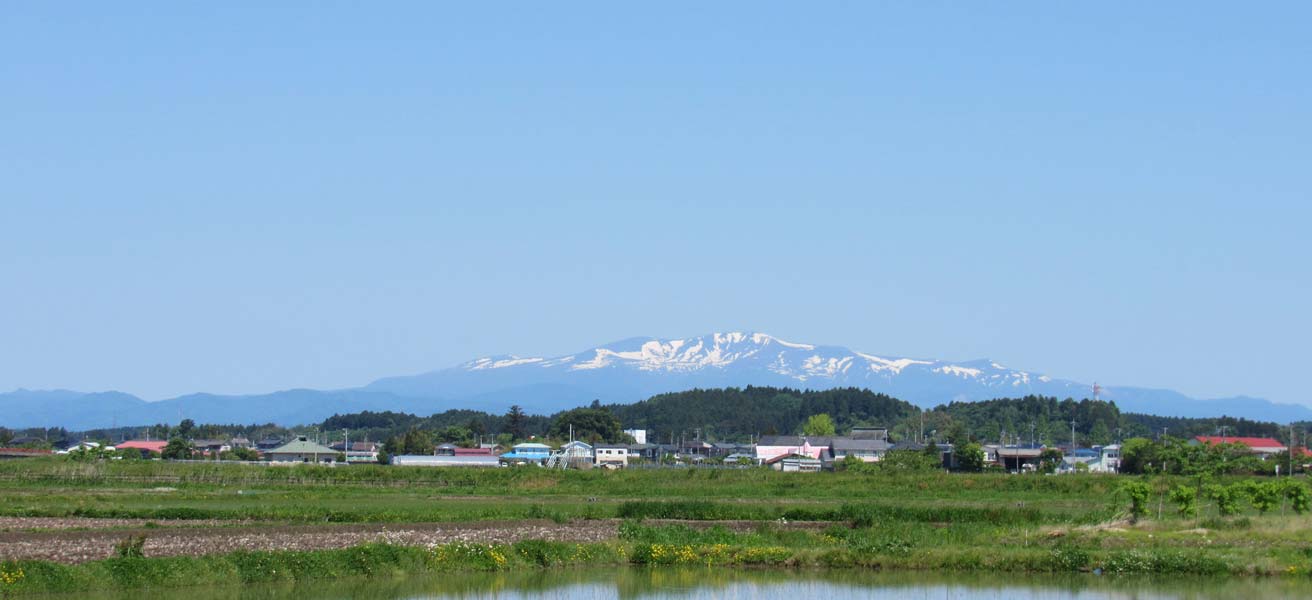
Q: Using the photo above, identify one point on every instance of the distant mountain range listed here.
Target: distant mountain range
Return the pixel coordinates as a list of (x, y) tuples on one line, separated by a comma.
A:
[(625, 371)]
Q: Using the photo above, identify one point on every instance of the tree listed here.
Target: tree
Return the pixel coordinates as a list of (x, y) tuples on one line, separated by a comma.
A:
[(820, 424), (589, 424), (177, 449), (1137, 454), (1100, 434), (1138, 492), (515, 422), (1185, 500), (414, 441), (417, 442), (970, 458), (1049, 460), (246, 454), (907, 460), (933, 452), (185, 427), (455, 434)]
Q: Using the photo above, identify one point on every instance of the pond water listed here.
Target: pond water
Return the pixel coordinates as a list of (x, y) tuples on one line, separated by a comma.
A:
[(667, 583)]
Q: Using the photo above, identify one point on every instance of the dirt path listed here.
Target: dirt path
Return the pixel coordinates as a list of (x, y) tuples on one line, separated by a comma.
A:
[(81, 540)]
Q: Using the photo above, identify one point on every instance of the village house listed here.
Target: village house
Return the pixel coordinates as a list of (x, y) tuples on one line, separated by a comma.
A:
[(795, 463), (576, 455), (1262, 447), (773, 446), (527, 453), (1109, 459), (645, 451), (866, 450), (301, 450), (358, 452), (210, 447), (9, 453), (611, 456), (1015, 459), (147, 448)]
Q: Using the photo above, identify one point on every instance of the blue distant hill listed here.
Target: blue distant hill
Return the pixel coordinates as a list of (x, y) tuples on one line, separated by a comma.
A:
[(621, 372)]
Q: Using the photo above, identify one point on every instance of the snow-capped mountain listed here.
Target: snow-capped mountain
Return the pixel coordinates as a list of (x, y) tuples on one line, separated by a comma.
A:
[(625, 371), (637, 368)]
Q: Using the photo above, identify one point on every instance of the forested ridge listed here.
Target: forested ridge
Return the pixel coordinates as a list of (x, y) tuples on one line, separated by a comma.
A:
[(741, 414)]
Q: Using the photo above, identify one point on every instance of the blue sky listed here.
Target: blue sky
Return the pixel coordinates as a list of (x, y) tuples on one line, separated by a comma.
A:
[(244, 197)]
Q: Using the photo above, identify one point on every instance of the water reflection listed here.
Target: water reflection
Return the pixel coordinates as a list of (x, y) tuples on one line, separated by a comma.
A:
[(721, 584)]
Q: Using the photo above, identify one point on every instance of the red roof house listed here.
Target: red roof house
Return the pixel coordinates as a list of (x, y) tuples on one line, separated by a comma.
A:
[(473, 452), (1258, 445), (156, 447)]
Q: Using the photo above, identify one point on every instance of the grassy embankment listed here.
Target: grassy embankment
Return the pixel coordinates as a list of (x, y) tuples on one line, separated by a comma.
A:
[(942, 522)]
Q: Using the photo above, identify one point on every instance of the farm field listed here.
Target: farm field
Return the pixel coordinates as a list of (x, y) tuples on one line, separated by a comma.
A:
[(63, 522)]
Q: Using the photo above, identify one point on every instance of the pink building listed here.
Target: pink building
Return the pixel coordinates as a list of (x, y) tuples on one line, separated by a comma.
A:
[(156, 447), (774, 446)]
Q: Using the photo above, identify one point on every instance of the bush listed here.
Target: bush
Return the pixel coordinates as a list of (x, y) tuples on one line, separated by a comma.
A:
[(1185, 500), (1226, 498), (1138, 493), (1068, 558), (132, 546), (1298, 495), (543, 553)]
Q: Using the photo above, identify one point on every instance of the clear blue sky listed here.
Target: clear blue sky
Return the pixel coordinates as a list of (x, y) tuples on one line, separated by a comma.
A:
[(246, 197)]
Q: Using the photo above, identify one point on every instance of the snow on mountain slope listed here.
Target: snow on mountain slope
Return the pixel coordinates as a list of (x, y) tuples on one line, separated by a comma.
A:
[(758, 351), (632, 369), (625, 371)]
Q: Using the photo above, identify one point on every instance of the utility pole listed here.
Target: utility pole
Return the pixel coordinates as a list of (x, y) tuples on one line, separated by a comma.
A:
[(1291, 450), (1072, 436)]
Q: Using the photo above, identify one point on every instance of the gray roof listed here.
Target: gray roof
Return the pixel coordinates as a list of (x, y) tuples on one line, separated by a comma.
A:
[(302, 445), (862, 444), (795, 440), (424, 460)]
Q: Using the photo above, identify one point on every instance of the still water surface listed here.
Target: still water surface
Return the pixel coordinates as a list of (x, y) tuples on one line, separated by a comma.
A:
[(662, 584)]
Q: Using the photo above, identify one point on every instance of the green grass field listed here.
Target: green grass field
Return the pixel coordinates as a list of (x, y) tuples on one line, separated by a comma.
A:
[(371, 493), (938, 521)]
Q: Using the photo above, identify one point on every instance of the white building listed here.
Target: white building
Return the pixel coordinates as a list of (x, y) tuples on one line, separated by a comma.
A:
[(639, 435), (1109, 460), (611, 456)]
